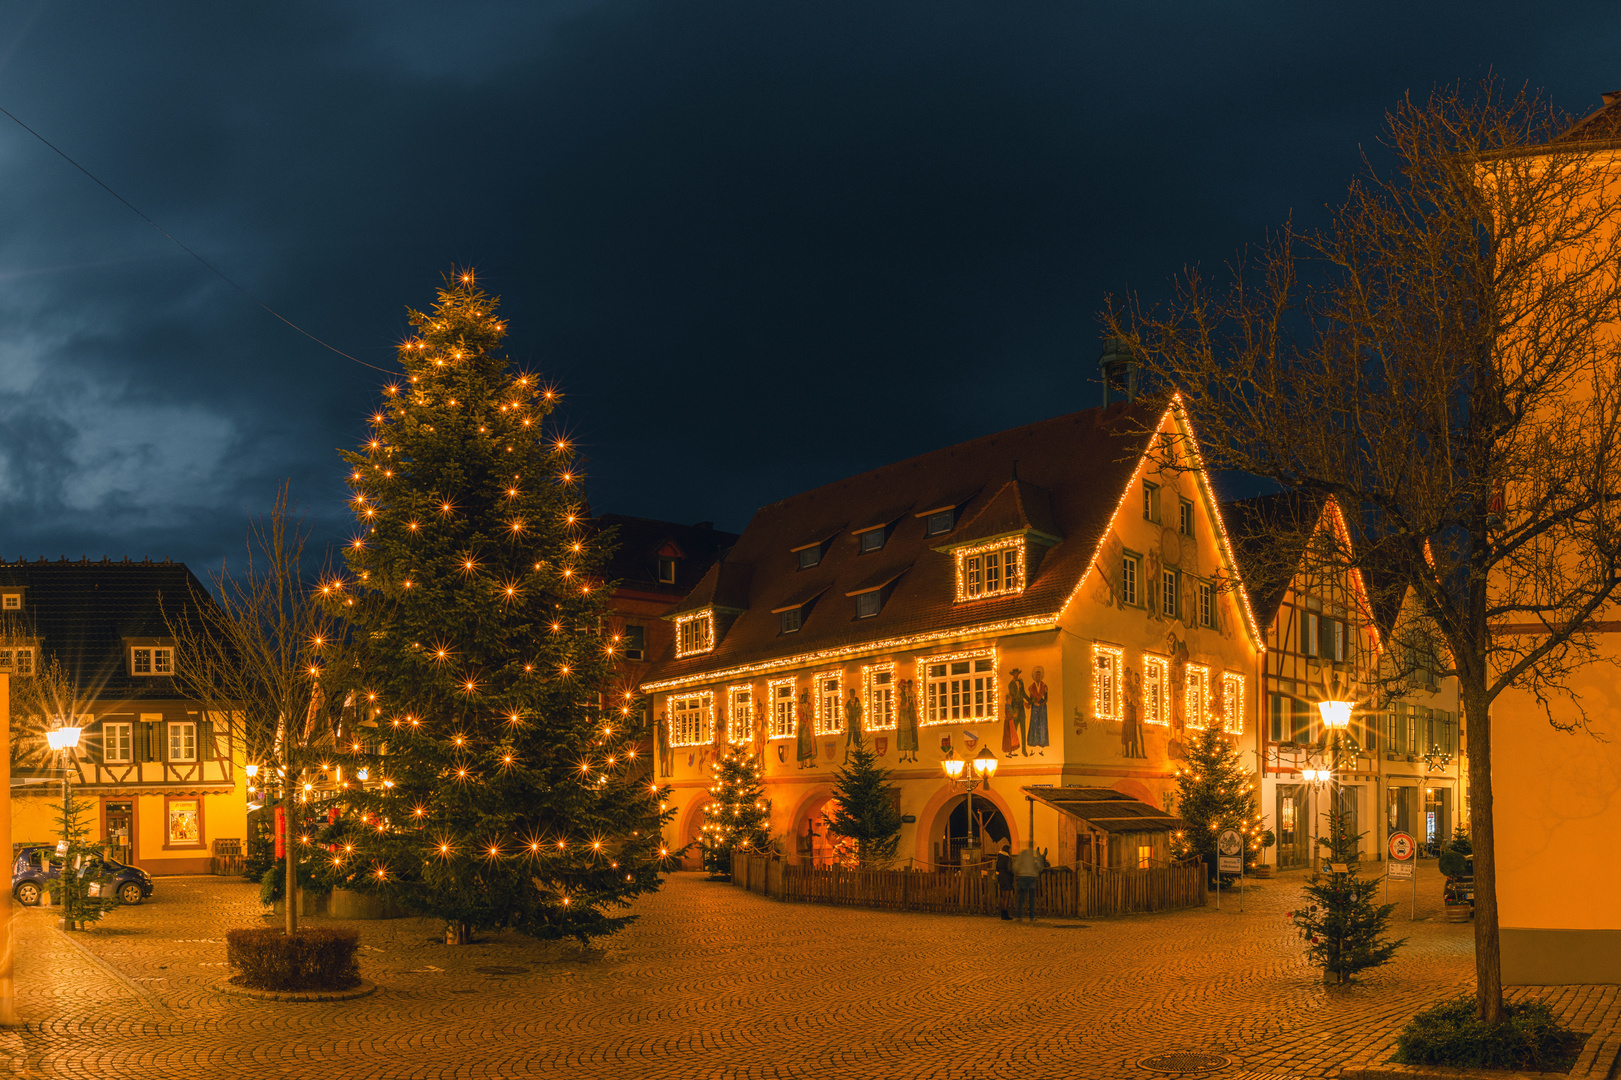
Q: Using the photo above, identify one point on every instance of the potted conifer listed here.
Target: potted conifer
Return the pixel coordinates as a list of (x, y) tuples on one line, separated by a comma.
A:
[(1458, 864), (1266, 839)]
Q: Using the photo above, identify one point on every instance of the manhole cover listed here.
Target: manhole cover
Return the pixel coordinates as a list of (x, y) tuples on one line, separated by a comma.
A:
[(1068, 926), (1183, 1062), (497, 969)]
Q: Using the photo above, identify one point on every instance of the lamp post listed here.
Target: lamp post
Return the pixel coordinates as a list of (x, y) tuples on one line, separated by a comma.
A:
[(64, 740), (1336, 709), (956, 770)]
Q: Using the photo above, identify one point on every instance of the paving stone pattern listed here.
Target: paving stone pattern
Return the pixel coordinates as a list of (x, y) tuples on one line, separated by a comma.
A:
[(717, 982)]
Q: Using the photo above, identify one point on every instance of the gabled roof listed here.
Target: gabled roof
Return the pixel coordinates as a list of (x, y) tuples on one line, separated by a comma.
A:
[(1074, 471), (634, 563), (83, 613), (1269, 534), (1603, 126)]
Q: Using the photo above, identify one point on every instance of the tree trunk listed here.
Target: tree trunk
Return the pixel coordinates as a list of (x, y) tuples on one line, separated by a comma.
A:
[(1488, 950), (290, 884)]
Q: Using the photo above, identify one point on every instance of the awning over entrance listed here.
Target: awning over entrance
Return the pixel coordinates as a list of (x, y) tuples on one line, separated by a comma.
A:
[(1106, 809)]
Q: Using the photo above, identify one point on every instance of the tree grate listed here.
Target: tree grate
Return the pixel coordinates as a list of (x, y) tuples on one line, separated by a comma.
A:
[(1184, 1062)]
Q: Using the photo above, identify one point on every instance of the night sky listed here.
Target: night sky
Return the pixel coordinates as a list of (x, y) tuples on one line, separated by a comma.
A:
[(760, 246)]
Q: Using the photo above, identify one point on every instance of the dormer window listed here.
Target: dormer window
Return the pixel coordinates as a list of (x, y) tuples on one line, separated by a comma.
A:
[(151, 660), (11, 601), (990, 570), (18, 661), (940, 522), (872, 540), (790, 621), (809, 557), (666, 570), (868, 604), (694, 634)]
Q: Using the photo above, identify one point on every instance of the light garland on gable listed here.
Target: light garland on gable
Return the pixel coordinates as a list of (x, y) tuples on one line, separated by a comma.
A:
[(878, 694), (1106, 696), (1156, 690), (1196, 697), (740, 706), (694, 633), (976, 566)]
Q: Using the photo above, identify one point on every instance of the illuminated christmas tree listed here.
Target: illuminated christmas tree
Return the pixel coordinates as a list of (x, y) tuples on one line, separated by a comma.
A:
[(740, 814), (1214, 791), (489, 777)]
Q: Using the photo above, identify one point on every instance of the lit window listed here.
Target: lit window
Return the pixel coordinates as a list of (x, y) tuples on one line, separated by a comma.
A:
[(1130, 571), (781, 695), (17, 661), (1106, 682), (880, 682), (1184, 522), (1196, 698), (11, 601), (739, 714), (872, 540), (1309, 630), (1232, 703), (117, 743), (1207, 604), (829, 704), (694, 634), (689, 720), (868, 604), (1156, 690), (1170, 587), (185, 822), (666, 570), (939, 523), (959, 687), (635, 642), (157, 660), (1150, 501), (990, 571), (183, 741), (789, 621)]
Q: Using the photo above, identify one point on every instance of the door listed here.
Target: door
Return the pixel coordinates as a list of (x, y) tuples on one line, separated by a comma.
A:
[(1294, 839), (120, 838), (1436, 832)]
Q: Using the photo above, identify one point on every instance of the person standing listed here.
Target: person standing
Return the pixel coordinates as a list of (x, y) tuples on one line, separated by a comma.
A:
[(1026, 874), (1004, 877)]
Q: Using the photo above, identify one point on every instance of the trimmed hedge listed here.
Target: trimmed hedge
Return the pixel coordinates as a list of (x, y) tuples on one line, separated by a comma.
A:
[(314, 959), (1451, 1034)]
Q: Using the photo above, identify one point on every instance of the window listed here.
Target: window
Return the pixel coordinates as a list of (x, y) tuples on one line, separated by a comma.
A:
[(11, 601), (1232, 703), (1130, 571), (17, 661), (809, 557), (872, 540), (868, 603), (990, 571), (117, 743), (1275, 710), (1170, 588), (739, 714), (666, 570), (635, 642), (185, 822), (1196, 698), (959, 687), (1145, 857), (880, 686), (829, 703), (939, 523), (1156, 690), (780, 692), (1301, 714), (689, 720), (154, 660), (1150, 501), (1308, 633), (183, 741), (1106, 682), (789, 621), (1184, 521), (694, 634), (1207, 604)]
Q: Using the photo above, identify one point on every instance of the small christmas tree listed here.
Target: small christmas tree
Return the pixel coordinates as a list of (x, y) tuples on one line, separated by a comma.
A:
[(1215, 792), (740, 813), (864, 808), (1343, 926), (72, 891)]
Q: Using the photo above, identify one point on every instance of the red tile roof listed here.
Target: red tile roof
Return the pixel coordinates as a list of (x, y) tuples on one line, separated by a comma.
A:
[(1072, 473)]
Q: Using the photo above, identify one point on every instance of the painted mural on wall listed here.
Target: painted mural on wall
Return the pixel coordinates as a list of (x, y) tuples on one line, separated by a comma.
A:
[(906, 741), (804, 737), (852, 722), (1131, 724), (1014, 718), (1037, 738), (661, 735)]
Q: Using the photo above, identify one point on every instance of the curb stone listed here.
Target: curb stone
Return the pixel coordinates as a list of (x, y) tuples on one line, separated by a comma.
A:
[(365, 988)]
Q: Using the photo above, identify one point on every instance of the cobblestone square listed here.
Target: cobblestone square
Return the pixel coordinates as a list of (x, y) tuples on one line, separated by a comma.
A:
[(716, 982)]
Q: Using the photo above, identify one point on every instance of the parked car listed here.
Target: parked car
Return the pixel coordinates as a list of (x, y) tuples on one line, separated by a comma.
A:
[(37, 865), (1461, 887)]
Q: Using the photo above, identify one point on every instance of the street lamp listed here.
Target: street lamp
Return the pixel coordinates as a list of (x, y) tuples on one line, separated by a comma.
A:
[(64, 740), (1336, 709), (957, 773)]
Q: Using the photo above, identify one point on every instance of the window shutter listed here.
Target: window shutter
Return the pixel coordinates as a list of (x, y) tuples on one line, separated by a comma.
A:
[(93, 743), (206, 750), (142, 733), (160, 739)]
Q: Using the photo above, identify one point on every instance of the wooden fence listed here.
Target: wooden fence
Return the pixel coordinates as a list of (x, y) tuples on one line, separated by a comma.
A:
[(1061, 893)]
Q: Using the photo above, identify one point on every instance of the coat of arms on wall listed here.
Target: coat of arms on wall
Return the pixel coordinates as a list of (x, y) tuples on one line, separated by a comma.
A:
[(881, 744)]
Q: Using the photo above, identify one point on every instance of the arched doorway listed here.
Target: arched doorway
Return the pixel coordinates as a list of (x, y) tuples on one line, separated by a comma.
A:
[(812, 844), (951, 834), (692, 829)]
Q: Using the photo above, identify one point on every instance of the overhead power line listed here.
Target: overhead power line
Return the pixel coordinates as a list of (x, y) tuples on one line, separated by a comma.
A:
[(210, 266)]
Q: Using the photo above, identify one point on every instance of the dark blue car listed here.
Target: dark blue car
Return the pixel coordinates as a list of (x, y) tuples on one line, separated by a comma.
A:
[(37, 865)]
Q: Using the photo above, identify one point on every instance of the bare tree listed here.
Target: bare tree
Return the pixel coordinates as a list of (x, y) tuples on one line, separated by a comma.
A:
[(1442, 358), (267, 658)]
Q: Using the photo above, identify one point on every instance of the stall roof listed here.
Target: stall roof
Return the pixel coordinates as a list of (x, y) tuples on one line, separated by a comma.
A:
[(1106, 809)]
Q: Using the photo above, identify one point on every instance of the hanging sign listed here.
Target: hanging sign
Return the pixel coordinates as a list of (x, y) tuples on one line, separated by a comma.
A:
[(1229, 852)]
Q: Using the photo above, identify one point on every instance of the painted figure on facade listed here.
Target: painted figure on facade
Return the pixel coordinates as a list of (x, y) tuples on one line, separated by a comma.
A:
[(852, 722), (1038, 736), (759, 738), (666, 753), (1131, 728), (1013, 720), (804, 737), (906, 740)]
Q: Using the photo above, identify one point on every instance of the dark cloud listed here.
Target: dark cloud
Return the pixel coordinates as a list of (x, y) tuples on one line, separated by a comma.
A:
[(760, 245)]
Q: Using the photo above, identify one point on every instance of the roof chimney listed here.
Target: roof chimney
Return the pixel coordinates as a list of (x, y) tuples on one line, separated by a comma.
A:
[(1612, 97), (1119, 367)]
